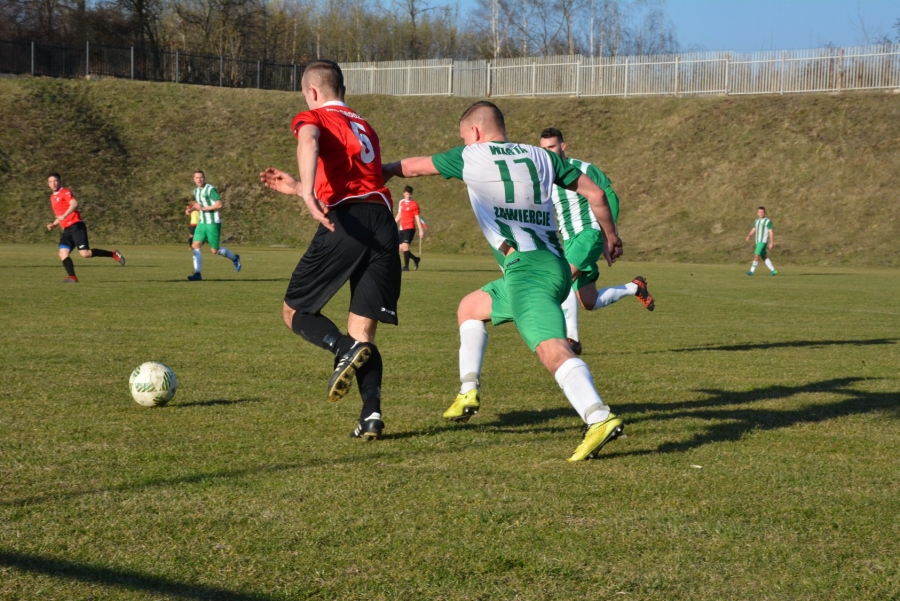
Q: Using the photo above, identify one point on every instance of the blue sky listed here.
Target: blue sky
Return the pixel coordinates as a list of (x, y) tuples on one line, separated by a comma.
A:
[(749, 25), (780, 24)]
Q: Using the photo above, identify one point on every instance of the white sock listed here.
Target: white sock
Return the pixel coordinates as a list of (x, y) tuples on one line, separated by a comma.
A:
[(473, 339), (608, 296), (574, 377), (198, 259), (224, 252), (769, 265), (570, 310), (753, 266), (375, 415)]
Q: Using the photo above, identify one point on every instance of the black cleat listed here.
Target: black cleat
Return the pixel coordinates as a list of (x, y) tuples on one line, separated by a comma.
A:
[(196, 277), (405, 268), (575, 346), (642, 294), (416, 261), (345, 368), (368, 429)]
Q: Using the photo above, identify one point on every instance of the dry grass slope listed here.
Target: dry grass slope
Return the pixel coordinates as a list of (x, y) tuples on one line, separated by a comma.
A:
[(690, 171)]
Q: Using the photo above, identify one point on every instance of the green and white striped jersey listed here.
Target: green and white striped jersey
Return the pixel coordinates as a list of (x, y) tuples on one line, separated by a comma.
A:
[(762, 227), (207, 196), (573, 212), (509, 188)]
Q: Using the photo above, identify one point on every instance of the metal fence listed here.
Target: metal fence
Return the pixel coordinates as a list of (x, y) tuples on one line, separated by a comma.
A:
[(706, 73), (146, 64), (777, 72)]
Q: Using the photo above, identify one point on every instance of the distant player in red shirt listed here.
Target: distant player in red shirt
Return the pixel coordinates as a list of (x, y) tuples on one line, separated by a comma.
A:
[(339, 158), (409, 221), (74, 231)]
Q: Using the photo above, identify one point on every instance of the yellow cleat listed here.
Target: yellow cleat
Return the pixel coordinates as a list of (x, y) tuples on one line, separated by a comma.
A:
[(465, 406), (597, 435)]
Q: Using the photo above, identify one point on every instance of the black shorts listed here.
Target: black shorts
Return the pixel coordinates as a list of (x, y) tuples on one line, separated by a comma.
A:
[(362, 249), (406, 236), (75, 236)]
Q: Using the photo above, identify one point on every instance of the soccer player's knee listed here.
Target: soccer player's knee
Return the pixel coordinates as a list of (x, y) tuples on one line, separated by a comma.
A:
[(287, 314), (84, 253), (214, 251)]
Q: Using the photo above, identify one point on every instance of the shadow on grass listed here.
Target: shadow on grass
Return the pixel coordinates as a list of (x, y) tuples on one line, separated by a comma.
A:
[(213, 403), (732, 423), (119, 578), (791, 344)]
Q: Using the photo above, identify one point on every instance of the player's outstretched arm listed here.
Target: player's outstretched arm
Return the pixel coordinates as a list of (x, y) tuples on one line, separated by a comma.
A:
[(409, 167), (596, 197)]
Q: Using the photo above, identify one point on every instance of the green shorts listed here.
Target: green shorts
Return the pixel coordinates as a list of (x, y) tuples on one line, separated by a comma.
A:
[(208, 232), (761, 249), (583, 250), (529, 294)]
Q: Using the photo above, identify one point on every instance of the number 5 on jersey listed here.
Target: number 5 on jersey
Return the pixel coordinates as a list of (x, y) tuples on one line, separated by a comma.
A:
[(367, 154)]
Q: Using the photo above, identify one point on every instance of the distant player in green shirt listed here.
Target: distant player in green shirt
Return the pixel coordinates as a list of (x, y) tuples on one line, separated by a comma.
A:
[(583, 243), (208, 202), (509, 188), (765, 240)]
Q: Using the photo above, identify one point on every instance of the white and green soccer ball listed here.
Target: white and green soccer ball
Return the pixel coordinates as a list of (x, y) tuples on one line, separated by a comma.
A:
[(153, 384)]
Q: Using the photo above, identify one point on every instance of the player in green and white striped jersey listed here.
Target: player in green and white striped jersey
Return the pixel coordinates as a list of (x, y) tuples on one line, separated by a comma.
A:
[(208, 202), (765, 240), (583, 243), (509, 189)]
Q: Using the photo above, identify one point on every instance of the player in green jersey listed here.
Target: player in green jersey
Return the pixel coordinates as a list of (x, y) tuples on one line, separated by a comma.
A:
[(583, 243), (765, 240), (509, 188), (208, 202)]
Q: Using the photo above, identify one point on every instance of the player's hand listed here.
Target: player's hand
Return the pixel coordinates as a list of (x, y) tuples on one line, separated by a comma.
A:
[(50, 227), (278, 180), (612, 250), (318, 211)]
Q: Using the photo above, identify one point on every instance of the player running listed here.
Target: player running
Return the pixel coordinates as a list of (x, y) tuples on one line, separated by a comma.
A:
[(339, 158), (209, 228), (409, 220), (74, 231), (509, 188), (583, 242), (765, 240)]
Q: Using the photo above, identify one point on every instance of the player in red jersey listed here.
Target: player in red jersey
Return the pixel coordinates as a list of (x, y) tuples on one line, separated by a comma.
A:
[(74, 231), (339, 159), (409, 221)]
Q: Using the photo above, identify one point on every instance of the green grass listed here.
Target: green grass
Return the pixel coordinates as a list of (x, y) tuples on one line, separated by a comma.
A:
[(690, 171), (760, 460)]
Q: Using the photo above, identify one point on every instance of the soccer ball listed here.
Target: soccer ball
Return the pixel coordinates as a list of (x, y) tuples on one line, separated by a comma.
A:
[(152, 384)]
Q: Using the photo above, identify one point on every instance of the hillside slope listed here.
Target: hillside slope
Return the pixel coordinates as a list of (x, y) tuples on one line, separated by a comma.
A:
[(690, 171)]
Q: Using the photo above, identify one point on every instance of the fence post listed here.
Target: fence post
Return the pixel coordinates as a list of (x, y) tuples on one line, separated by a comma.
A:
[(132, 62), (676, 75), (578, 75), (221, 68), (87, 60), (840, 86), (176, 66), (488, 95), (783, 56), (727, 71), (408, 77), (626, 77), (534, 77), (449, 80), (257, 74)]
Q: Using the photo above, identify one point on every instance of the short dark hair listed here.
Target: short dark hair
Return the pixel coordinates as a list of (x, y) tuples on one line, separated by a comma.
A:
[(54, 174), (328, 75), (763, 208), (200, 171), (552, 132), (407, 189), (490, 107)]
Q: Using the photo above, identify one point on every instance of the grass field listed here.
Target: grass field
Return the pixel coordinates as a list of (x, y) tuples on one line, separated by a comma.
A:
[(760, 460)]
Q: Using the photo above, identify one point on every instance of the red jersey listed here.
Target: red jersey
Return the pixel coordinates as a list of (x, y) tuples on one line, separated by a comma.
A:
[(349, 167), (60, 201), (408, 211)]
